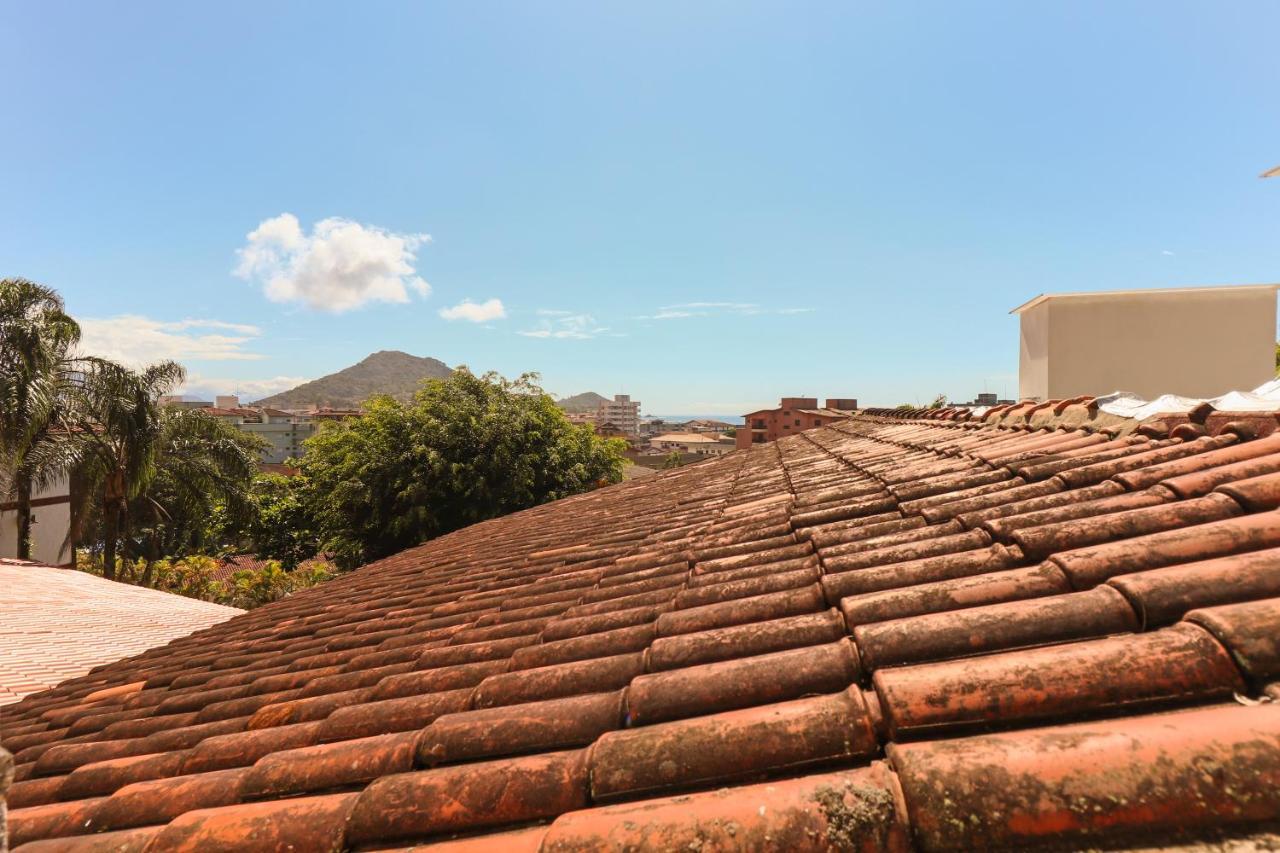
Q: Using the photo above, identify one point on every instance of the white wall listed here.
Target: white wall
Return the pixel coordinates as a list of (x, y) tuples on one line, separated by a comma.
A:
[(51, 523)]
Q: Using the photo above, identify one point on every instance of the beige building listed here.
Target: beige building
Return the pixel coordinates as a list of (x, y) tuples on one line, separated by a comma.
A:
[(1190, 341), (621, 412), (701, 443), (284, 431)]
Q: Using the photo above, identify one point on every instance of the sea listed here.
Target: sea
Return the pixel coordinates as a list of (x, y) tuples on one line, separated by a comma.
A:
[(736, 420)]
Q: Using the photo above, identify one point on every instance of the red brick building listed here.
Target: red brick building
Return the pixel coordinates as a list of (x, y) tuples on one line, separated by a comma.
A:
[(794, 414)]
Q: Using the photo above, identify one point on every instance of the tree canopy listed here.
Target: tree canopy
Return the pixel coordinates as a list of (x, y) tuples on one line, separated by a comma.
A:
[(37, 339), (465, 449)]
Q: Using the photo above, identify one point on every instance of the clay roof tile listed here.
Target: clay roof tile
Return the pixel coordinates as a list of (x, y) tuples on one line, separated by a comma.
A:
[(718, 655)]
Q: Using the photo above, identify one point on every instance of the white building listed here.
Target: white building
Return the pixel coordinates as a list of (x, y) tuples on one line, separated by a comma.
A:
[(285, 431), (50, 525), (621, 412)]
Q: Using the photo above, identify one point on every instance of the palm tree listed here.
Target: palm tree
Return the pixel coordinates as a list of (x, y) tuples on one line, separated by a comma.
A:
[(37, 338), (202, 465), (118, 437)]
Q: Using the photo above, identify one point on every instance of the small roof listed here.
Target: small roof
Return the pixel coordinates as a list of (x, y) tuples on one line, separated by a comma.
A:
[(1082, 294), (688, 437), (57, 624)]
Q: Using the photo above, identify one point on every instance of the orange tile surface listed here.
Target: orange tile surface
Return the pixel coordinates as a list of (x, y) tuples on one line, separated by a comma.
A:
[(902, 632)]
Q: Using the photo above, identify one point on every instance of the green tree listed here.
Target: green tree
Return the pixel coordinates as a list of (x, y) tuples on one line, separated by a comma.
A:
[(280, 526), (466, 449), (671, 460), (118, 438), (204, 467), (37, 338)]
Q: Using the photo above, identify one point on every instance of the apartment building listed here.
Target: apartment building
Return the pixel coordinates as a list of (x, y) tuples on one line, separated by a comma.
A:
[(793, 415), (621, 412), (284, 431)]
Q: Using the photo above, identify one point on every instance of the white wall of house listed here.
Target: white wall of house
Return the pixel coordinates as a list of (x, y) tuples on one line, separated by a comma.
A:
[(51, 517)]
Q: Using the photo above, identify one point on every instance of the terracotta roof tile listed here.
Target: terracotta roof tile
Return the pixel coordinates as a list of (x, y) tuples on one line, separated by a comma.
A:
[(891, 633)]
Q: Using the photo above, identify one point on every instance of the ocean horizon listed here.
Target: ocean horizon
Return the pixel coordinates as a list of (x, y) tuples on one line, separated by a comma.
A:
[(736, 420)]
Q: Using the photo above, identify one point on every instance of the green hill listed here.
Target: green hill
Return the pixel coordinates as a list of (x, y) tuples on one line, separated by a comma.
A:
[(584, 402), (388, 372)]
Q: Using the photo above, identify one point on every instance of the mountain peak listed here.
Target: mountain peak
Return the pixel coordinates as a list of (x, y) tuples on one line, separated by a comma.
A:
[(587, 401), (384, 372)]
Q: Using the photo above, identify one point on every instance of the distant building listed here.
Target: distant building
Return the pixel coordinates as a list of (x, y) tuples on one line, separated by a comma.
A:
[(581, 418), (325, 413), (621, 413), (657, 426), (702, 444), (985, 399), (793, 415), (1191, 341), (183, 402), (706, 425), (50, 525), (284, 431)]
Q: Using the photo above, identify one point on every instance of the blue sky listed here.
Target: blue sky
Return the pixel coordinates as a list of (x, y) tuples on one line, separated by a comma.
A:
[(706, 205)]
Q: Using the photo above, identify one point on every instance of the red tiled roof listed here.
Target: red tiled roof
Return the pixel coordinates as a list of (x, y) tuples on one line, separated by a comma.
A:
[(888, 633), (57, 624)]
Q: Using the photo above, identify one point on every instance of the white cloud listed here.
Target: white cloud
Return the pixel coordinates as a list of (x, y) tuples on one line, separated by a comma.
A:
[(729, 306), (476, 312), (249, 390), (1166, 252), (341, 265), (667, 314), (563, 324), (684, 310), (134, 340)]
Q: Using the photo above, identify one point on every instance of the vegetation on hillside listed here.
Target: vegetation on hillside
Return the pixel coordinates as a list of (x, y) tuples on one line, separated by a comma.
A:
[(389, 372), (587, 401)]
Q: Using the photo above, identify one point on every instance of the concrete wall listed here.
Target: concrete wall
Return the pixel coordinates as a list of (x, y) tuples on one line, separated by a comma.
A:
[(51, 517), (1198, 342)]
